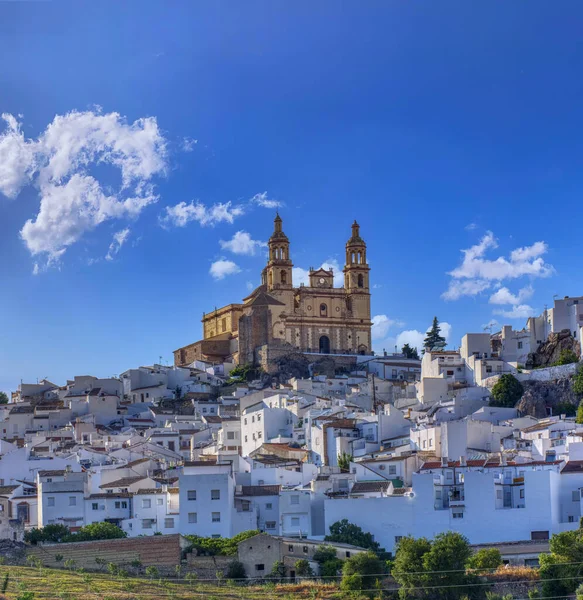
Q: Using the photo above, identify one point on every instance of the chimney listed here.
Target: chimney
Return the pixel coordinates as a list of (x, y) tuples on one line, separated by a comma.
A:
[(463, 462), (503, 461), (444, 461)]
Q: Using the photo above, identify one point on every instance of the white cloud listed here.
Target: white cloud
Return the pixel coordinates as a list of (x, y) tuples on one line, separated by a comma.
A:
[(477, 273), (119, 239), (521, 311), (492, 324), (242, 243), (17, 158), (249, 285), (412, 337), (264, 201), (300, 276), (188, 144), (470, 227), (181, 214), (72, 200), (381, 325), (505, 296), (223, 267)]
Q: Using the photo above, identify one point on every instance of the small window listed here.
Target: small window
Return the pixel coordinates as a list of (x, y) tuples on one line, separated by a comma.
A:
[(146, 503), (124, 504), (215, 494), (169, 523), (260, 567), (539, 535), (499, 494), (245, 506), (522, 493), (269, 506), (269, 524), (576, 494), (146, 523), (295, 521), (230, 435), (520, 345), (290, 548), (347, 553), (294, 499), (192, 494), (72, 501), (192, 518), (458, 515), (571, 519), (50, 501), (216, 517), (305, 549), (118, 505), (95, 506), (160, 501), (392, 469)]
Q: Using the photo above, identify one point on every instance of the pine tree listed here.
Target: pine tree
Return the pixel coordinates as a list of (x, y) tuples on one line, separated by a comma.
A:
[(410, 352), (434, 339)]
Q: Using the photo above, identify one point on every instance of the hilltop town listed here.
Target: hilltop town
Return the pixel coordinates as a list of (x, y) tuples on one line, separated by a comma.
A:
[(282, 419)]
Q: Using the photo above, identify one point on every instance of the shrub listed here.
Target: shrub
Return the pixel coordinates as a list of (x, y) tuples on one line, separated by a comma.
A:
[(303, 568), (487, 558), (206, 546), (347, 533), (566, 357), (235, 570), (151, 572), (363, 568), (507, 391), (578, 381), (98, 531), (277, 571), (50, 533)]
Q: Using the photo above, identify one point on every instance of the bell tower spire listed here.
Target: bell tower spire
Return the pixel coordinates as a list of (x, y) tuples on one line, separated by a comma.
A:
[(279, 264)]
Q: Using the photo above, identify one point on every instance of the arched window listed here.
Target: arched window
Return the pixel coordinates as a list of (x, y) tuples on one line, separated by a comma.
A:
[(360, 280), (270, 278), (283, 277), (358, 257), (324, 345), (323, 310)]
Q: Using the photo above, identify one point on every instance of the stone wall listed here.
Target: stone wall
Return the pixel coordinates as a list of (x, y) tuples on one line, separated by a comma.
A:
[(547, 374), (206, 567), (161, 551)]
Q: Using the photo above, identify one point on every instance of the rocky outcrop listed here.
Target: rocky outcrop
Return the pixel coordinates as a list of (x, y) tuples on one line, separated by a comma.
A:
[(292, 364), (540, 396), (549, 352), (12, 553)]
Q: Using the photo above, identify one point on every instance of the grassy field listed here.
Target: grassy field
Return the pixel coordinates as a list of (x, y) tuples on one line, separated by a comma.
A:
[(28, 583)]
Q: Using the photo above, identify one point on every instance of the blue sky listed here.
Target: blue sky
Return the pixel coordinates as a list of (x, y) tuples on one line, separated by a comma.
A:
[(433, 124)]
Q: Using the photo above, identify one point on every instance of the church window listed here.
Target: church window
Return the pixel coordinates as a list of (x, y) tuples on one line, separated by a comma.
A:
[(283, 275), (360, 281), (270, 278), (224, 324), (323, 310)]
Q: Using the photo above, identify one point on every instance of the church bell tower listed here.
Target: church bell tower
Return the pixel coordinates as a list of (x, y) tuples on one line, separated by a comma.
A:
[(278, 273), (356, 270)]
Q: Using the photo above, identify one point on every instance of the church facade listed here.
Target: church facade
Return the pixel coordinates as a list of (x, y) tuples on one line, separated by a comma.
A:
[(314, 318)]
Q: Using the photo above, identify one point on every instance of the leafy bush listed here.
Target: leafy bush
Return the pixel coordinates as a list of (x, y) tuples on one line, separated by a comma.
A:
[(578, 381), (362, 570), (235, 570), (566, 357), (50, 533), (344, 532), (303, 568), (98, 531), (507, 391), (487, 558), (277, 571), (206, 546)]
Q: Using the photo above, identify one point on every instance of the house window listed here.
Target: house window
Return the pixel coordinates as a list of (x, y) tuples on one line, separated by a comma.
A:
[(539, 535), (258, 418), (245, 506), (230, 435), (576, 495), (347, 554), (159, 501), (72, 501), (215, 494), (124, 504), (192, 518), (146, 503), (270, 525), (216, 517), (95, 506), (499, 494), (295, 499), (146, 523), (260, 567), (290, 548), (305, 549), (191, 494), (571, 519), (520, 345), (169, 523), (224, 324), (269, 506), (245, 438), (295, 521), (522, 493), (50, 501), (216, 536), (458, 515), (392, 469)]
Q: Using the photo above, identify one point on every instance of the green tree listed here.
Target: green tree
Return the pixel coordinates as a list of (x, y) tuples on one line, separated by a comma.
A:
[(344, 461), (326, 558), (344, 532), (507, 391), (206, 546), (410, 352), (434, 340), (561, 570), (3, 398), (235, 570), (49, 533), (578, 382), (579, 417), (151, 572), (438, 566), (303, 568), (566, 357), (565, 408), (99, 531), (487, 558), (277, 571), (367, 566)]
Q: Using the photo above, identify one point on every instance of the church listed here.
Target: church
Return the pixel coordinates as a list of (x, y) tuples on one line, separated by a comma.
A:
[(279, 317)]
